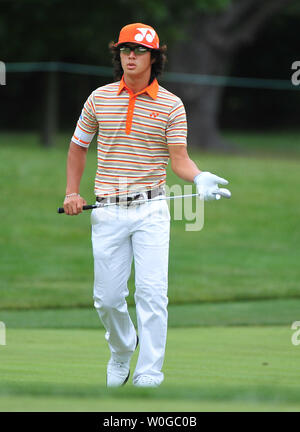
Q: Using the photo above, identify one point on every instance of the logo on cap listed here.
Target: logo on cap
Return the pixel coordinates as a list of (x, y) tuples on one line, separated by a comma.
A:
[(145, 33)]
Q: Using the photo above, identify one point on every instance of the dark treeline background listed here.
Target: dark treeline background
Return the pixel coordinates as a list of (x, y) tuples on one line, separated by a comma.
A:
[(242, 38)]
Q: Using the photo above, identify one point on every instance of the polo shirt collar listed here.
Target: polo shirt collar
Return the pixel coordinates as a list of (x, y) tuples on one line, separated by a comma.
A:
[(151, 90)]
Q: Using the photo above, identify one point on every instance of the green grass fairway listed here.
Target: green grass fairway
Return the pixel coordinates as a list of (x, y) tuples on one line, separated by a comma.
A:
[(276, 143), (248, 249), (206, 369), (233, 287)]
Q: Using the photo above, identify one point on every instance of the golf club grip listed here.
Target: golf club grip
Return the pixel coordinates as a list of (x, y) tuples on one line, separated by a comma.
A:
[(85, 207)]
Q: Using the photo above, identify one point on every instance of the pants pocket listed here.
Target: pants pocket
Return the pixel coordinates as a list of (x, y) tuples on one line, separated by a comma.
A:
[(95, 216)]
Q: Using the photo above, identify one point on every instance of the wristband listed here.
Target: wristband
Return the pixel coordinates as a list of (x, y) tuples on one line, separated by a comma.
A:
[(72, 194)]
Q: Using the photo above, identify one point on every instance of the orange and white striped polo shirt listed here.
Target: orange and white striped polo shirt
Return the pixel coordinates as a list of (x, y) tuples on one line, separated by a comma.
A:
[(134, 132)]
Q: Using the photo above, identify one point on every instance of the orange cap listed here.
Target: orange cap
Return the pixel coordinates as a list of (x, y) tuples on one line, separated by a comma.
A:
[(139, 33)]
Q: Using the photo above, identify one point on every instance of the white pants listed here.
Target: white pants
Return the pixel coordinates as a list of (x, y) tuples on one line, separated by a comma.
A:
[(118, 235)]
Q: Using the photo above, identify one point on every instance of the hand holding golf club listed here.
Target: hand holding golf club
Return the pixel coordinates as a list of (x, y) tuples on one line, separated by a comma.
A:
[(207, 186), (73, 204)]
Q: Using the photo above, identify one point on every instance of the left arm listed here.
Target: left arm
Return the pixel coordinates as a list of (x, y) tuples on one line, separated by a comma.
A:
[(181, 163), (183, 166), (206, 182)]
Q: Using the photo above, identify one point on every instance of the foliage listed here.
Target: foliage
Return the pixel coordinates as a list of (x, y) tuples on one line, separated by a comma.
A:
[(46, 31)]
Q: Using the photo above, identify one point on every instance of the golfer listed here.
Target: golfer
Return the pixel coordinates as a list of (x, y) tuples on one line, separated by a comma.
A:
[(140, 126)]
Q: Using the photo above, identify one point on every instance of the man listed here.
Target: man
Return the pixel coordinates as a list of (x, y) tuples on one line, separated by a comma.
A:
[(140, 126)]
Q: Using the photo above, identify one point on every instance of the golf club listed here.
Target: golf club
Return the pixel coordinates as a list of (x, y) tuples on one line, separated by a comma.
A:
[(93, 206)]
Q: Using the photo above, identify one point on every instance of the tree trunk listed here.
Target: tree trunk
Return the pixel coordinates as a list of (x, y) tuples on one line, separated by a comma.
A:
[(49, 126), (202, 102)]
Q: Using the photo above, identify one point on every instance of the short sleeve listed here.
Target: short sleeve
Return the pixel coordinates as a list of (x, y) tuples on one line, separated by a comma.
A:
[(176, 132), (87, 124)]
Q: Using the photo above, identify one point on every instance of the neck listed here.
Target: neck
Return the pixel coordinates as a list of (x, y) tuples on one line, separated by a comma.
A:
[(136, 83)]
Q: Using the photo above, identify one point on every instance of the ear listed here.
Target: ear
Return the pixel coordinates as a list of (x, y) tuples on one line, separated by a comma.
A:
[(153, 60)]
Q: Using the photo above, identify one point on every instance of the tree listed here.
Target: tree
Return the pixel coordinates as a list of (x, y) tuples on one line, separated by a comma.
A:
[(57, 31), (203, 37), (211, 41)]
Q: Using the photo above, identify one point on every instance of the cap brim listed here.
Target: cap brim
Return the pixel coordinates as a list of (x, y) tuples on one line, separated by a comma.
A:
[(136, 43)]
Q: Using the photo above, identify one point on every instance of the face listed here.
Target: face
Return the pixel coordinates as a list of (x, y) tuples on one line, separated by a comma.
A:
[(136, 64)]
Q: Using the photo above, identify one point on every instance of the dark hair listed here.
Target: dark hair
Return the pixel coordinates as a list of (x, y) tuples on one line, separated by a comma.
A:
[(157, 66)]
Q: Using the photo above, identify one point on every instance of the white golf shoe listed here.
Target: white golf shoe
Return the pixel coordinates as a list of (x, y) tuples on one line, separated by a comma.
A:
[(118, 371), (145, 381)]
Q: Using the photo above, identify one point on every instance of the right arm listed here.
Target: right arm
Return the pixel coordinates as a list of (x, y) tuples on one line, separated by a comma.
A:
[(86, 128), (75, 167)]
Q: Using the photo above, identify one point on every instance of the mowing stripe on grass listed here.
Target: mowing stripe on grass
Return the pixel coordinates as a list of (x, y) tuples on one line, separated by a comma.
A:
[(260, 312), (251, 393)]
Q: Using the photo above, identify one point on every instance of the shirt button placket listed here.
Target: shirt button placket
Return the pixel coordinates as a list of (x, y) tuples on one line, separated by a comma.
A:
[(130, 114)]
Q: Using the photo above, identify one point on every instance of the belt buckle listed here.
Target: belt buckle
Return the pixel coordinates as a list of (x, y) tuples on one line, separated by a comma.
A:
[(136, 197), (142, 198)]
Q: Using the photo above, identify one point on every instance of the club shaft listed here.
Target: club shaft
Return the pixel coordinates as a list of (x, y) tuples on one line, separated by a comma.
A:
[(92, 206)]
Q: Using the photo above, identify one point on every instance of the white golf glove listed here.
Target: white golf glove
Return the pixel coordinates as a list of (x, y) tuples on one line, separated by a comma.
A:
[(207, 186)]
